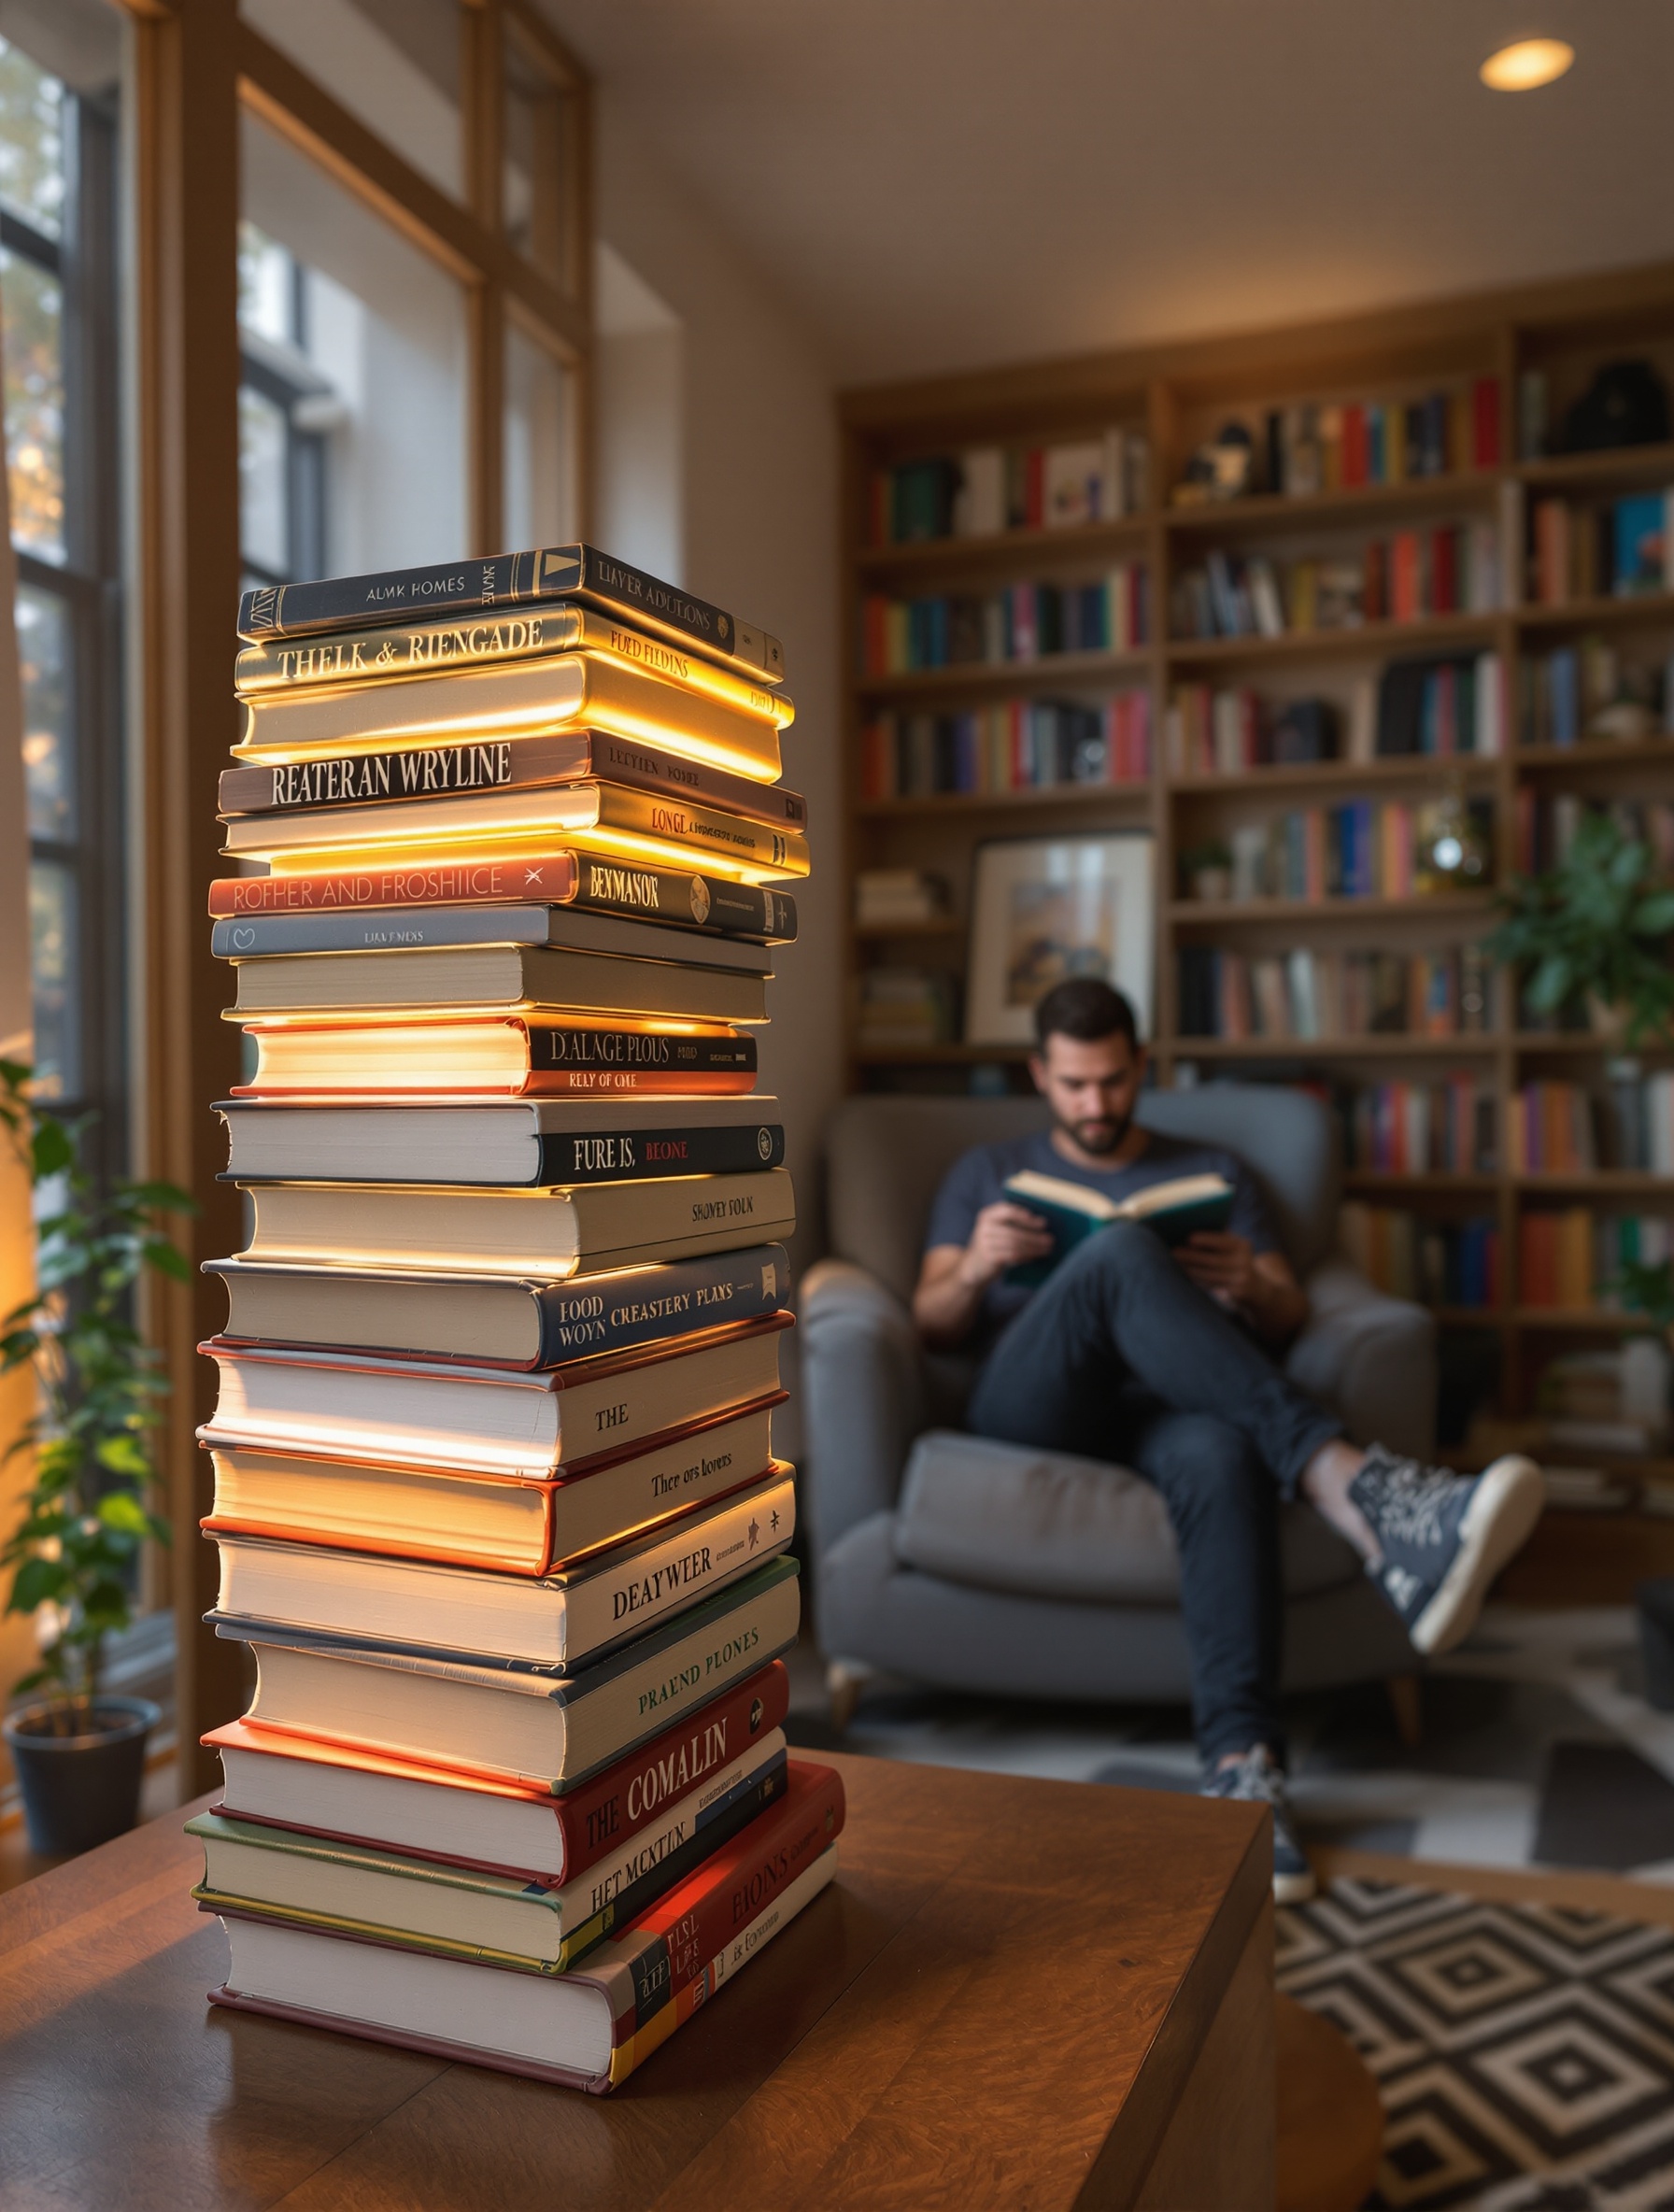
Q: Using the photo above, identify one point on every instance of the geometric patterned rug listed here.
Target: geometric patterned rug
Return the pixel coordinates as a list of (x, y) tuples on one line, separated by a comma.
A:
[(1525, 2052)]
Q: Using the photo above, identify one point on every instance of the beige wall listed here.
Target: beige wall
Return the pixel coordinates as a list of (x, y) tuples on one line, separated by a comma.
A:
[(758, 503)]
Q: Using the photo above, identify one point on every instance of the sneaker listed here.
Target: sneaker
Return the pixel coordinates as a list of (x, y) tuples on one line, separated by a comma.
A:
[(1256, 1778), (1442, 1537)]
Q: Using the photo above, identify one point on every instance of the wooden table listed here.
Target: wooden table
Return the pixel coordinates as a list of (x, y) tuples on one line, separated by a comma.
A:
[(1018, 1993)]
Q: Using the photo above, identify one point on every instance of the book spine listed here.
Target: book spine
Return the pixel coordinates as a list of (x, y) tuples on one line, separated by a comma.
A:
[(502, 764), (632, 1594), (631, 1156), (552, 878), (555, 1048), (709, 829), (676, 1942), (616, 1312), (626, 1797)]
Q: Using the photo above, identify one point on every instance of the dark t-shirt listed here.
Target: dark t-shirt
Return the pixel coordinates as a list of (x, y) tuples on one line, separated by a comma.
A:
[(978, 1179)]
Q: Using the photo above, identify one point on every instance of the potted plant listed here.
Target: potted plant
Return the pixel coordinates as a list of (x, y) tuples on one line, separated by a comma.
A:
[(1592, 932), (79, 1753)]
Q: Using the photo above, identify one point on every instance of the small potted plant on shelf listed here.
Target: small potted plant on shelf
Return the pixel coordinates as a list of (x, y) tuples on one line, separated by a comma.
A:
[(1591, 934), (78, 1752)]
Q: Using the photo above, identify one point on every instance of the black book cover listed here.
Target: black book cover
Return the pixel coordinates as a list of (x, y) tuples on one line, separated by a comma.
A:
[(631, 1156)]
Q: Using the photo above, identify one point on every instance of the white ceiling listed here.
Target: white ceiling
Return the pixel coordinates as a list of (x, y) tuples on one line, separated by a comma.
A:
[(943, 184)]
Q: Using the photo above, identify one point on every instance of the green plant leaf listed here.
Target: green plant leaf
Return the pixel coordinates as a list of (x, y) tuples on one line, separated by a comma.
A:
[(35, 1582), (123, 1512)]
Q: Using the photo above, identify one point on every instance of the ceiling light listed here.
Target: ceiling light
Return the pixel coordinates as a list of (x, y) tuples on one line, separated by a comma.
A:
[(1528, 62)]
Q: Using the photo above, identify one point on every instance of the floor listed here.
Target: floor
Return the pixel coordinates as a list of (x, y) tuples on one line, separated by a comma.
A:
[(1538, 1749)]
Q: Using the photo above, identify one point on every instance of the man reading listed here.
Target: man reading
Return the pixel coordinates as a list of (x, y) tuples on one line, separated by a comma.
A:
[(1166, 1362)]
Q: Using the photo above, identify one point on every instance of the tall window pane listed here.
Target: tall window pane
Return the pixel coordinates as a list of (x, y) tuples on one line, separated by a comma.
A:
[(32, 119), (394, 63), (540, 476), (369, 376), (54, 944), (49, 733), (31, 305), (537, 121)]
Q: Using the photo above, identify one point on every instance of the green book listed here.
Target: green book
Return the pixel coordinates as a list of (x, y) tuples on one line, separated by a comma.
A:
[(1074, 1212)]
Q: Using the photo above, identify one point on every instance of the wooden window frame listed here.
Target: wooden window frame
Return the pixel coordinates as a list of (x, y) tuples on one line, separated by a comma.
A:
[(197, 70)]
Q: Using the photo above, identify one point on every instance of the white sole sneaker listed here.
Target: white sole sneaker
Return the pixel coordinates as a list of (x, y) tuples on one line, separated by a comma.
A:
[(1510, 1498), (1293, 1889)]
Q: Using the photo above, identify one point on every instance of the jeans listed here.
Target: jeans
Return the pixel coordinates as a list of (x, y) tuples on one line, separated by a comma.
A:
[(1119, 1356)]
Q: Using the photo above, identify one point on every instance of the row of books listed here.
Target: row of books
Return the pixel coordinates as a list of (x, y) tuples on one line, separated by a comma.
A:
[(1615, 550), (1587, 690), (1454, 569), (1546, 824), (1308, 996), (1410, 1256), (903, 1007), (1550, 1129), (987, 489), (1614, 1398), (1362, 848), (1424, 707), (1573, 1257), (1022, 622), (899, 897), (1015, 744), (1313, 449), (1626, 1124), (1443, 1128), (495, 1497)]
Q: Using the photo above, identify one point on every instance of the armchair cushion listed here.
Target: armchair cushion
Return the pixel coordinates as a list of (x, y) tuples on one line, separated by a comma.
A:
[(1050, 1524)]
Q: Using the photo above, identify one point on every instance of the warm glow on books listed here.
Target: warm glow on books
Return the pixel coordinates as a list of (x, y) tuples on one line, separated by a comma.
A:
[(624, 844), (449, 728)]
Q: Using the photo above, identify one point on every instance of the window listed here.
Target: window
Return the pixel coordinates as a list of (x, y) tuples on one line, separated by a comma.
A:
[(58, 306)]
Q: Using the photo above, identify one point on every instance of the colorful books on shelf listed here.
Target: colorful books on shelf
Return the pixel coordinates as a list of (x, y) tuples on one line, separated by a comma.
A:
[(1318, 446), (1450, 569), (1437, 708), (1021, 624), (1616, 549), (1439, 1263), (1593, 690), (1364, 848), (495, 1495), (1419, 1128), (1550, 1129), (1015, 744), (1310, 995), (985, 489)]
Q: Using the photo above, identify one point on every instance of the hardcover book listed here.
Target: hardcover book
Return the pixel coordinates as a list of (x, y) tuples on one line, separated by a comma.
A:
[(490, 586), (479, 1713), (475, 1821), (520, 699), (510, 1142), (347, 1887), (589, 2028), (518, 977), (508, 1523), (376, 929), (501, 1420), (590, 1229), (565, 878), (477, 764), (560, 1620), (512, 1057), (510, 1321), (1073, 1211)]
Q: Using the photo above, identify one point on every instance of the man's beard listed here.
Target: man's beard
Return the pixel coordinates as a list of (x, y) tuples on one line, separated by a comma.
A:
[(1103, 1136)]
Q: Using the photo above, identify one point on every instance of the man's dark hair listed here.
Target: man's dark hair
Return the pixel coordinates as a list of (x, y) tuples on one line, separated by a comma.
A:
[(1086, 1008)]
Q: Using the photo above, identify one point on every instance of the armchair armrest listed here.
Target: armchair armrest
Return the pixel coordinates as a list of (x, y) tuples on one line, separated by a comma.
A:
[(1370, 1358), (863, 1395)]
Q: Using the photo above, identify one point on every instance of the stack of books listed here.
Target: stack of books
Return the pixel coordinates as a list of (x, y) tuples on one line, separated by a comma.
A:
[(495, 1495)]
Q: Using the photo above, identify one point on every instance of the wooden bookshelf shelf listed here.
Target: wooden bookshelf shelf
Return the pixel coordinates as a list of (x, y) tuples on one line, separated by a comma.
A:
[(1176, 397), (1361, 641), (1206, 914), (1051, 672), (988, 803), (1419, 769), (1356, 507), (1030, 549)]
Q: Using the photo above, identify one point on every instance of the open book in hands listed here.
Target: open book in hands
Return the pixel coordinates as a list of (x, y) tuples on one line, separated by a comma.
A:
[(1074, 1211)]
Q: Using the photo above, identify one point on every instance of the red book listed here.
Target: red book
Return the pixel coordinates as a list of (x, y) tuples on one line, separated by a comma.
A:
[(1374, 586), (1405, 576), (1444, 570), (1484, 423), (1034, 487), (568, 1834), (1355, 450)]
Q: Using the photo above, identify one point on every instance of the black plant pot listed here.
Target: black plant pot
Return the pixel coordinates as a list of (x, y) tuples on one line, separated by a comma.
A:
[(81, 1790)]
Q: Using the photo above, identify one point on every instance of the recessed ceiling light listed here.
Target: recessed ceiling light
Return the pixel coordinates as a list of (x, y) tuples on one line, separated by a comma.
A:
[(1528, 62)]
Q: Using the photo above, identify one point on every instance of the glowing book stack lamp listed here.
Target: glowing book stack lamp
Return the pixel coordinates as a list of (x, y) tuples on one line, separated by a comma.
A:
[(495, 1495)]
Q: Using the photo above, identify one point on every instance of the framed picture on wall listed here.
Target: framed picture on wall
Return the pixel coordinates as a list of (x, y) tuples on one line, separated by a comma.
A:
[(1044, 908)]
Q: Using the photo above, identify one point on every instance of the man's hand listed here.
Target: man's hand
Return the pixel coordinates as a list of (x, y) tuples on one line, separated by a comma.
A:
[(1005, 1236), (1222, 1264)]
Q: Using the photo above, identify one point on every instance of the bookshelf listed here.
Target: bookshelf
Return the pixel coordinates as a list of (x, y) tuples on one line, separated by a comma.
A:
[(1176, 398)]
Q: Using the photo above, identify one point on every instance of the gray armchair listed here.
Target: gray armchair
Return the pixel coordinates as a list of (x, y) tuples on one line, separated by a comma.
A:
[(985, 1567)]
